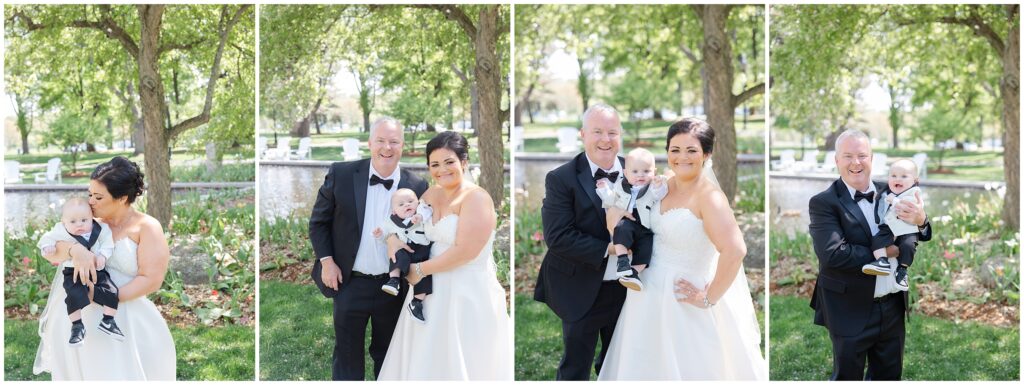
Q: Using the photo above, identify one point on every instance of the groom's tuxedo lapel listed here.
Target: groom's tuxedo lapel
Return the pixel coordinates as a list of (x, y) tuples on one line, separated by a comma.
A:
[(587, 182), (359, 186), (847, 201)]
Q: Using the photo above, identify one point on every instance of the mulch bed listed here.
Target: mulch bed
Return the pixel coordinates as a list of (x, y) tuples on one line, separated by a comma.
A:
[(174, 315), (931, 299)]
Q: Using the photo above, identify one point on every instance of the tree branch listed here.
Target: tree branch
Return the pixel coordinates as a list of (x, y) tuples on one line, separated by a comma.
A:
[(224, 27), (452, 12), (747, 94), (106, 25), (179, 46), (459, 73), (973, 22)]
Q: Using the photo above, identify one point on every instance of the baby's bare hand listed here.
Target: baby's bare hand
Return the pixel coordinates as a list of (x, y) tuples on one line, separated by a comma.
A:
[(377, 233), (416, 219)]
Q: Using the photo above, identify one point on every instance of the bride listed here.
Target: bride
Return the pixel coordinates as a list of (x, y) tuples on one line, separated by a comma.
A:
[(467, 333), (694, 320), (137, 266)]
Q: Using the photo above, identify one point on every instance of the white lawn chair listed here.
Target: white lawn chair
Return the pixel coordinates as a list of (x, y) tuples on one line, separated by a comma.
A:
[(305, 147), (568, 140), (52, 173), (787, 158), (282, 150), (517, 138), (12, 172), (921, 160), (809, 161), (879, 164), (350, 149), (828, 165), (261, 146)]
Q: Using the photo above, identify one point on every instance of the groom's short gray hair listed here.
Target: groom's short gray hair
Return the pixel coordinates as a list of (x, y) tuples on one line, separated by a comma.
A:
[(384, 120), (851, 134), (599, 107)]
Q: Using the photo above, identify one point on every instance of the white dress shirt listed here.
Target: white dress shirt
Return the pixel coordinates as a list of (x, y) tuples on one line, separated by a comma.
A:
[(372, 256), (611, 269), (884, 284)]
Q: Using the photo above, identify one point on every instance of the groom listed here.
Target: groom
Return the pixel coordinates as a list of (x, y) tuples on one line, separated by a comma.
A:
[(353, 201), (576, 281), (864, 316)]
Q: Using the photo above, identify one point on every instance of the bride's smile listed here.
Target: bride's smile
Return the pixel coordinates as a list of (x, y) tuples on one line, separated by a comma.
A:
[(446, 168)]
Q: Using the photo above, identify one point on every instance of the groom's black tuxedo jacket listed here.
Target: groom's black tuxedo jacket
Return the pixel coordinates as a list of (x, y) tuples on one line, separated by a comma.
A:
[(336, 224), (577, 238), (841, 234)]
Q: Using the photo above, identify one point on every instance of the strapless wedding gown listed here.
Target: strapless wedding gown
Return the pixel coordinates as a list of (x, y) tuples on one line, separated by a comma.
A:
[(467, 335), (659, 338), (147, 353)]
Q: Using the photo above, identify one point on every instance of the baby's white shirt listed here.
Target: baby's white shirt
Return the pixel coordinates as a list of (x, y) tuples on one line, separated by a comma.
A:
[(899, 226), (104, 245)]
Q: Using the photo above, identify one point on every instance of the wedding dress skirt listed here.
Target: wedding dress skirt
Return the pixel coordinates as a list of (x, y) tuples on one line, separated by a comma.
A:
[(659, 338), (468, 335), (147, 353)]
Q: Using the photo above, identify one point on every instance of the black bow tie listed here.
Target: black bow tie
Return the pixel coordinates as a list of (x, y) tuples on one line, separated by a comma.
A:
[(601, 174), (870, 196), (378, 180)]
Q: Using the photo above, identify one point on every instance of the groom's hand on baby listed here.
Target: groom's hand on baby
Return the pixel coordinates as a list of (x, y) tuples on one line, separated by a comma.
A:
[(911, 210), (330, 274)]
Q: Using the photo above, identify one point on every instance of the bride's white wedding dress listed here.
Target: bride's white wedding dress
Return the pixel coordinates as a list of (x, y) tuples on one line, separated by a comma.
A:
[(467, 335), (658, 338), (147, 353)]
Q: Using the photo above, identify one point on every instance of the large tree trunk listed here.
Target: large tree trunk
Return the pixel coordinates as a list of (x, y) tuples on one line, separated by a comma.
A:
[(718, 103), (487, 73), (1009, 88), (151, 97), (474, 105)]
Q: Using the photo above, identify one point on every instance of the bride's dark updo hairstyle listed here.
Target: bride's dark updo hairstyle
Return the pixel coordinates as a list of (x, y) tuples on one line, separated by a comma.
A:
[(122, 178), (700, 129), (452, 141)]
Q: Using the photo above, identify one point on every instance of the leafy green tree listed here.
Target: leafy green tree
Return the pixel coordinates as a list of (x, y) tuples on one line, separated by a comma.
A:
[(967, 55), (190, 40), (939, 125), (70, 131)]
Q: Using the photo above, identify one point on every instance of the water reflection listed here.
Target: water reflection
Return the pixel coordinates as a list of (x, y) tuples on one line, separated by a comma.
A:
[(788, 198), (41, 207), (290, 191)]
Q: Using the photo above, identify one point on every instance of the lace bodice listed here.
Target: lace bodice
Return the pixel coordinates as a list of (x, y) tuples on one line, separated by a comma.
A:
[(680, 242), (443, 233), (123, 265)]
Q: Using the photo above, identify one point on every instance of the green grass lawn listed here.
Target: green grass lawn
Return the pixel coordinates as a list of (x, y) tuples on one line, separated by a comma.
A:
[(224, 353), (936, 349), (297, 333), (539, 340)]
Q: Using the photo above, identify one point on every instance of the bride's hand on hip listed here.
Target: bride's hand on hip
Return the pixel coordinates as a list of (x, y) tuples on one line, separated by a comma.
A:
[(84, 263), (686, 292)]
